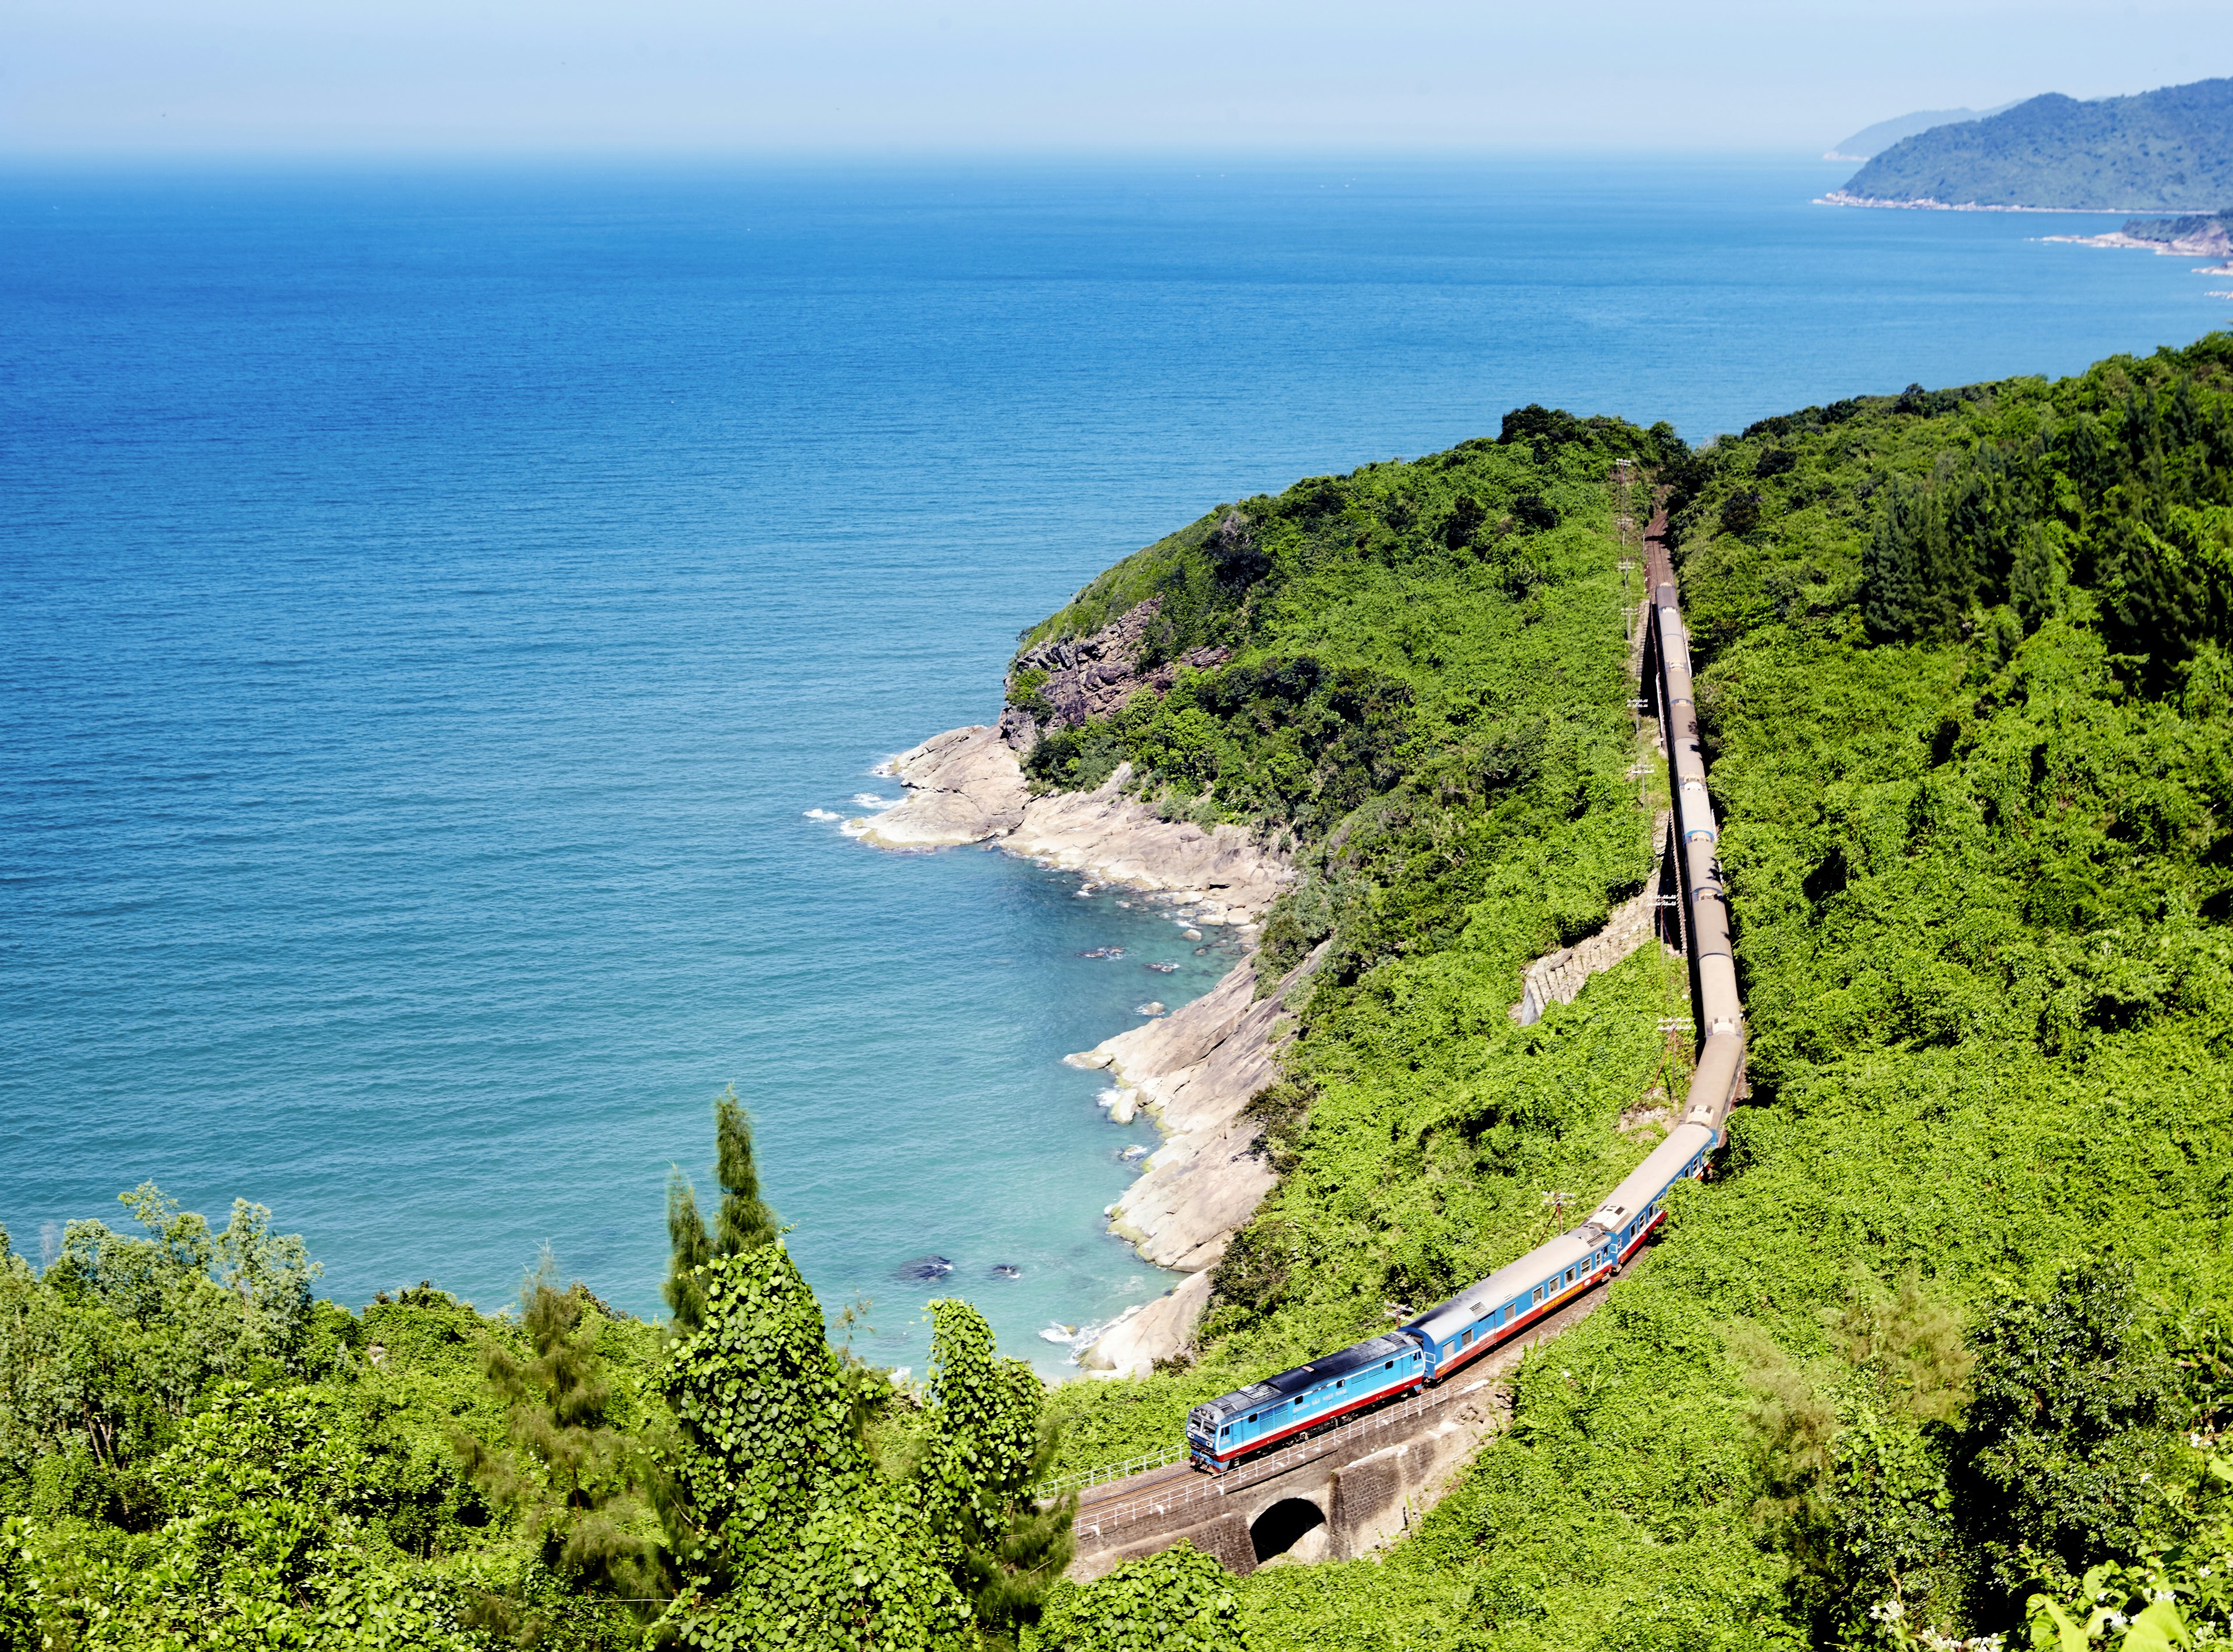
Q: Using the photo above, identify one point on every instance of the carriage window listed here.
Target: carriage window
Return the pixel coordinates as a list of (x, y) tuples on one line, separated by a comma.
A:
[(1252, 1416), (1538, 1293), (1343, 1384), (1570, 1276), (1466, 1341), (1389, 1366)]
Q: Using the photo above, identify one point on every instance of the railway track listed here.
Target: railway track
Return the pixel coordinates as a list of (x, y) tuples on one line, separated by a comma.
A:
[(1697, 907)]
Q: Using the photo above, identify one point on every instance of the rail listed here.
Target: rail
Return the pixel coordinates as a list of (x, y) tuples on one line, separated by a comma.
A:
[(1209, 1488), (1080, 1479), (1718, 1076)]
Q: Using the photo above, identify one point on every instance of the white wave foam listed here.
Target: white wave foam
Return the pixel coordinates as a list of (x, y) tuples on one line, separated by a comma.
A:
[(1085, 1336), (823, 814), (856, 827), (870, 800)]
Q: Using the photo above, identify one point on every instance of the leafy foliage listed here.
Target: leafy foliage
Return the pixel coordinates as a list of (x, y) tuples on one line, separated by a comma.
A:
[(1178, 1601), (571, 1479), (791, 1537)]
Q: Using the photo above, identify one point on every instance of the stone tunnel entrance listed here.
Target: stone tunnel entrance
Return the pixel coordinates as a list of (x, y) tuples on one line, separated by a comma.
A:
[(1293, 1526)]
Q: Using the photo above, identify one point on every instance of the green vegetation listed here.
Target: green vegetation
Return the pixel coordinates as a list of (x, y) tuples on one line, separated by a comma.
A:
[(1950, 1330), (194, 1454), (2167, 150), (1944, 1352), (2205, 227)]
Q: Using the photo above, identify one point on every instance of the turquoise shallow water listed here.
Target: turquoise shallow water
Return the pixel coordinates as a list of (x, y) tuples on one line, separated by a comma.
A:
[(433, 603)]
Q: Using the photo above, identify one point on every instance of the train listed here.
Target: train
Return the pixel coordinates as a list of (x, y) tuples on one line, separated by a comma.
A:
[(1433, 1346)]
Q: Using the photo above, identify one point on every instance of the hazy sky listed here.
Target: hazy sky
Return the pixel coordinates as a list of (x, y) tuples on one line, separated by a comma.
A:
[(433, 76)]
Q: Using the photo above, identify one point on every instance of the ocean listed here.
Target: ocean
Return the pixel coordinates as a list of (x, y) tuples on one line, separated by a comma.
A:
[(446, 613)]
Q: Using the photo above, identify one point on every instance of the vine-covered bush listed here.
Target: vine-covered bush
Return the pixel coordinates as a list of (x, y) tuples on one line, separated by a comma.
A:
[(1178, 1601)]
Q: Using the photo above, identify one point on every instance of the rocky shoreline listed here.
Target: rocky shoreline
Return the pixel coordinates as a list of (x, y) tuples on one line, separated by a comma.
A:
[(1926, 203), (965, 786), (1194, 1071)]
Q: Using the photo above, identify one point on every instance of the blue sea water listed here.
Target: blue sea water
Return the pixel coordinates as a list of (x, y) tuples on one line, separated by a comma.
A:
[(432, 604)]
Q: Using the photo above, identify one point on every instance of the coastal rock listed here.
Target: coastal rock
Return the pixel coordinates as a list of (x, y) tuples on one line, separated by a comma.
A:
[(1086, 677), (1151, 1331), (1196, 1070), (1110, 838), (963, 786), (1185, 1210)]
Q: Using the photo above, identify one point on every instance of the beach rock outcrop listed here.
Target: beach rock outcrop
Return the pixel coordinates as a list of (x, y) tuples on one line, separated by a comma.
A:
[(963, 786), (1219, 870), (1072, 679), (1151, 1331), (1197, 1070)]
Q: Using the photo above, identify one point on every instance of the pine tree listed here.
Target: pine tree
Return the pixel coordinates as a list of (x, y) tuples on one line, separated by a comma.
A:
[(744, 1221), (572, 1477)]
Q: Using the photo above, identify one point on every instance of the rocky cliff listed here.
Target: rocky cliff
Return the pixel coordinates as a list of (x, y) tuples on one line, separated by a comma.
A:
[(1065, 680)]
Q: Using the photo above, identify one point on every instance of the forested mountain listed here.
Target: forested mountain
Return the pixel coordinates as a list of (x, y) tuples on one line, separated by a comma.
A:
[(1872, 140), (2171, 150), (1945, 1348)]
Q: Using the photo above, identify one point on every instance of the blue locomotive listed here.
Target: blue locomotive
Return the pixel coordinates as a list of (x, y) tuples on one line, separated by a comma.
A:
[(1442, 1341)]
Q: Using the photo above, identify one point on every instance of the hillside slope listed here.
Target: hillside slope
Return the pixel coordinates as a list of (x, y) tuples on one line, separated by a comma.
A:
[(1951, 1325), (2170, 149)]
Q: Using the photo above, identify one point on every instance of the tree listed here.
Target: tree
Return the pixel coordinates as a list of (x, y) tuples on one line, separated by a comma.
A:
[(103, 1353), (1178, 1601), (785, 1535), (572, 1477), (986, 1450), (744, 1221), (2050, 1471)]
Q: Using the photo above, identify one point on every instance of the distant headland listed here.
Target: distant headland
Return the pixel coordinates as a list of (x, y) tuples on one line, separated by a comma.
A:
[(2169, 150)]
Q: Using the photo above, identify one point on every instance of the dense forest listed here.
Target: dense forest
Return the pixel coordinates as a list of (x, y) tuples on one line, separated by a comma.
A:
[(2169, 150), (1942, 1353)]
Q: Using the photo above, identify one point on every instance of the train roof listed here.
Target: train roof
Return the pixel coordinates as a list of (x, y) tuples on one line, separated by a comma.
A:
[(1324, 1368), (1444, 1319), (1652, 1178)]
